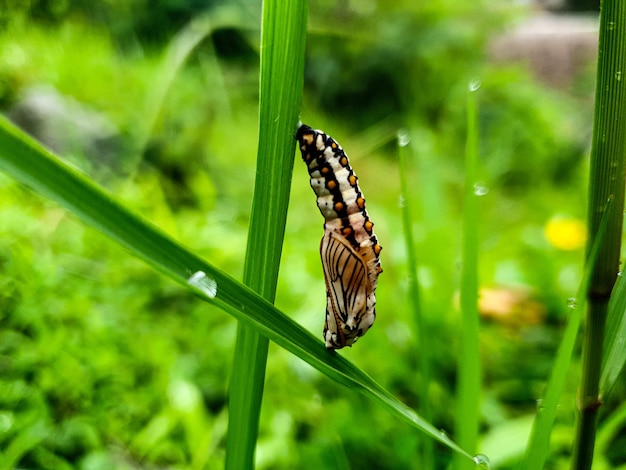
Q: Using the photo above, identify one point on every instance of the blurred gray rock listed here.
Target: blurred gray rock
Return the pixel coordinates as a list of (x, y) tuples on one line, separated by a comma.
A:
[(556, 48), (66, 126)]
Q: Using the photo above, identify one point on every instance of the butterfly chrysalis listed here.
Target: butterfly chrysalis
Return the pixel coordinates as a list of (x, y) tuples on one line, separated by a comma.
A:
[(349, 249)]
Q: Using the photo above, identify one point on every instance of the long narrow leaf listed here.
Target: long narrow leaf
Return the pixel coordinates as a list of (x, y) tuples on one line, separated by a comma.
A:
[(606, 182), (538, 446), (468, 390), (423, 344), (25, 160), (176, 54)]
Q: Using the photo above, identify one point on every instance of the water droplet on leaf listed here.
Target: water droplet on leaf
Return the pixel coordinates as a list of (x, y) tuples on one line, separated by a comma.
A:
[(403, 138), (474, 85), (201, 281), (482, 461), (480, 190)]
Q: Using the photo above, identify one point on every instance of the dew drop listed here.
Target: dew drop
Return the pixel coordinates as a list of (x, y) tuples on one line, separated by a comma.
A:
[(618, 75), (480, 190), (474, 85), (482, 461), (403, 138), (571, 302), (201, 281), (611, 25), (401, 201)]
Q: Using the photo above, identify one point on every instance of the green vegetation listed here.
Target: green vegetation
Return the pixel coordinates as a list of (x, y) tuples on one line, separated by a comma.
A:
[(283, 41), (107, 363), (606, 200)]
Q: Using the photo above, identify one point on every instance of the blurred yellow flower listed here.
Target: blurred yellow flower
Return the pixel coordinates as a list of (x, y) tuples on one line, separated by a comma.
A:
[(566, 233)]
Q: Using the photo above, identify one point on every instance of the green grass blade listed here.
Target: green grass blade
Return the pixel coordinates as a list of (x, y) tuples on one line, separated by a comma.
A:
[(283, 39), (174, 57), (538, 446), (606, 182), (28, 162), (615, 342), (468, 370), (414, 292), (25, 440)]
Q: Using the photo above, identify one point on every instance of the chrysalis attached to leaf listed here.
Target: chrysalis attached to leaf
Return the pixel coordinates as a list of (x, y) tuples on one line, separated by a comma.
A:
[(349, 248)]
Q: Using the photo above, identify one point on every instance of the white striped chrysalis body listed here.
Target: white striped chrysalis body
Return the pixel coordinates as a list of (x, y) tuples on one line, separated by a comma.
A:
[(349, 249)]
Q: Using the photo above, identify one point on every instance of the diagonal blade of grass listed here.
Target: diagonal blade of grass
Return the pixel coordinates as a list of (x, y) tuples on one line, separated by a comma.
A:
[(176, 54), (538, 445), (25, 160)]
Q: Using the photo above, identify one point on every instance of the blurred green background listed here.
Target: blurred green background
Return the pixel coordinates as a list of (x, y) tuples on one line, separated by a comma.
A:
[(106, 364)]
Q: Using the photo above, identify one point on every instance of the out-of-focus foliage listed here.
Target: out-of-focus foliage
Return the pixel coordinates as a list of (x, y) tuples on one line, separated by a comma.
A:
[(104, 364), (151, 20)]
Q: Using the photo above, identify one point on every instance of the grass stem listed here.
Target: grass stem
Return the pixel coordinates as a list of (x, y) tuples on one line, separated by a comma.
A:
[(468, 370), (414, 292), (283, 37), (606, 184)]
